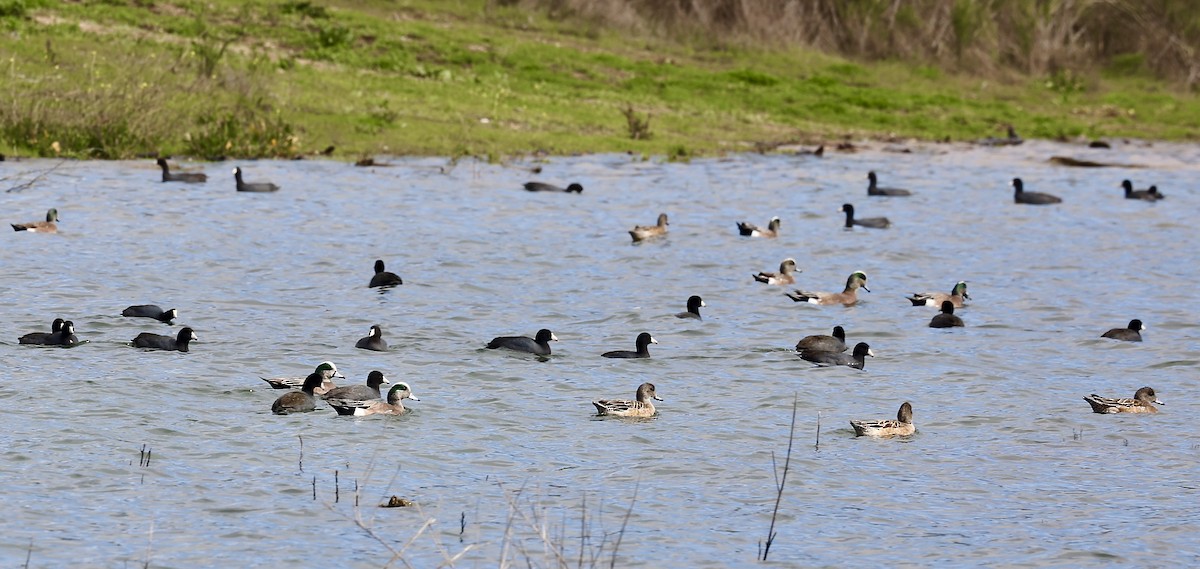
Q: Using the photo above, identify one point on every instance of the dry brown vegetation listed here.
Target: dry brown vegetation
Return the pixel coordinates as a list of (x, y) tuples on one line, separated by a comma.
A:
[(986, 37)]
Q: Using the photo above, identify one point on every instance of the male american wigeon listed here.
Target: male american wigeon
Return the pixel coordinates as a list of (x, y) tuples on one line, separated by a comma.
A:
[(643, 232), (642, 407), (394, 405), (47, 226), (901, 426), (326, 370), (1130, 333), (751, 230), (847, 297), (872, 222), (784, 277), (946, 318), (1143, 401), (935, 299), (873, 188)]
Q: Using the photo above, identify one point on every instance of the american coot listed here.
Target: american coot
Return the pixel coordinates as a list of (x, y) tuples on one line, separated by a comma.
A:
[(351, 395), (643, 348), (857, 359), (394, 406), (150, 311), (543, 187), (1151, 194), (384, 278), (327, 370), (751, 230), (847, 297), (872, 222), (902, 426), (540, 344), (784, 277), (643, 232), (874, 190), (39, 338), (693, 308), (642, 407), (65, 336), (373, 340), (47, 226), (946, 318), (823, 343), (255, 187), (1011, 140), (1143, 401), (160, 342), (1131, 333), (957, 295), (299, 401), (1032, 198), (186, 177)]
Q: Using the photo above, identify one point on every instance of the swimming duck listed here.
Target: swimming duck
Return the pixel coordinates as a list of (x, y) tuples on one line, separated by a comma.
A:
[(643, 232), (1150, 194), (642, 407), (784, 277), (902, 426), (350, 395), (957, 295), (1143, 401), (47, 226), (751, 230), (326, 370), (393, 406), (847, 297)]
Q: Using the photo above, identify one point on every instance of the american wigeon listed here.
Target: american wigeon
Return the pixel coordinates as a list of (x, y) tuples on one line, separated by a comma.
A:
[(872, 222), (350, 395), (326, 370), (643, 232), (39, 338), (847, 297), (299, 401), (784, 277), (1131, 333), (47, 226), (160, 342), (65, 336), (693, 308), (255, 187), (372, 341), (946, 318), (186, 177), (957, 295), (1033, 198), (823, 343), (874, 190), (150, 311), (643, 348), (384, 278), (539, 344), (1150, 194), (642, 407), (1143, 401), (393, 406), (901, 426), (543, 187), (856, 359), (751, 230)]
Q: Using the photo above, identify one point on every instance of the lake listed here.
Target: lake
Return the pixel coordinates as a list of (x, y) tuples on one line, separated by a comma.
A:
[(503, 455)]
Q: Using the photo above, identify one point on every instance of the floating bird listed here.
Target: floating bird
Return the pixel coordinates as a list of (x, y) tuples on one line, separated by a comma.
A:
[(539, 345), (1131, 333), (643, 348), (643, 232), (373, 341), (784, 277), (957, 295), (875, 190), (384, 278), (150, 311), (847, 297), (856, 359), (823, 343), (872, 222), (393, 406), (694, 303), (902, 426), (47, 226), (356, 395), (751, 230), (1032, 198), (1143, 401), (255, 187), (327, 370), (946, 318), (186, 177), (541, 187), (160, 342), (642, 407), (39, 338), (1150, 194), (298, 401)]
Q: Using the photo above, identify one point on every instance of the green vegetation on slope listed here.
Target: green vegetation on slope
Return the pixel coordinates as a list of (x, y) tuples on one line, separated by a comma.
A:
[(116, 79)]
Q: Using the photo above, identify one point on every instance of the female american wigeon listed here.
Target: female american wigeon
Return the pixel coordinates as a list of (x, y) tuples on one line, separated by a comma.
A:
[(393, 406), (872, 222), (352, 394), (946, 318), (1151, 194), (39, 338), (1032, 198), (150, 311), (298, 401), (1131, 333), (543, 187), (643, 232), (254, 187), (856, 359), (901, 426), (159, 342), (383, 277), (1143, 401), (372, 341), (847, 297), (751, 230), (185, 177), (694, 304), (47, 226), (326, 370), (643, 348), (823, 343), (539, 344), (873, 188), (935, 299), (642, 407), (784, 277)]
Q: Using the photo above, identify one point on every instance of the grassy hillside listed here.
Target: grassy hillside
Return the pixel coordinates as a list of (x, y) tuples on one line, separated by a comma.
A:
[(117, 79)]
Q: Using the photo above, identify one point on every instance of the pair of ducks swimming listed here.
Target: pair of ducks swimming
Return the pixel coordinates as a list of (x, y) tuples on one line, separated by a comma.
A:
[(357, 400)]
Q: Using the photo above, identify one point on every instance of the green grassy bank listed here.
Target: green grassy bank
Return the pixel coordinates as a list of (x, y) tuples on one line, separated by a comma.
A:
[(122, 78)]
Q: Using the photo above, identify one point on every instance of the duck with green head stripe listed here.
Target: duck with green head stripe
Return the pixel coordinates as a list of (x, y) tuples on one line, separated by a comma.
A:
[(847, 297)]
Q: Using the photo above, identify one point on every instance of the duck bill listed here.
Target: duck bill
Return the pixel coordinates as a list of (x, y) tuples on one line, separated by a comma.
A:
[(657, 398), (864, 287), (413, 397), (1157, 402)]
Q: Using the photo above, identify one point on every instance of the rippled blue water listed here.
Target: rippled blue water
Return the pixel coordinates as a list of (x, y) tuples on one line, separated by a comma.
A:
[(503, 453)]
